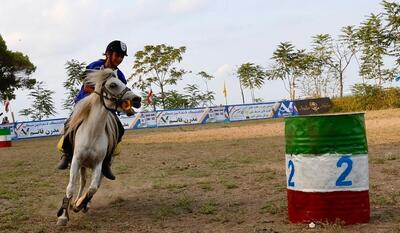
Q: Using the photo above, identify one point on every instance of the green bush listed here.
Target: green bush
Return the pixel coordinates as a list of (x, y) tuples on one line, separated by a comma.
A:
[(344, 104), (367, 97)]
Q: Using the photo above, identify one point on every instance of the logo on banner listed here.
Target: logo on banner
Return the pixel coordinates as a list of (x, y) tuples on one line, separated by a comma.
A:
[(287, 108)]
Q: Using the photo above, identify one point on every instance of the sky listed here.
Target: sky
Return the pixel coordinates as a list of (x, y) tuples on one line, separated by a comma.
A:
[(219, 36)]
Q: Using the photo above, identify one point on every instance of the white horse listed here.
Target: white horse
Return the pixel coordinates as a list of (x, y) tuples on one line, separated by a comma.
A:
[(92, 128)]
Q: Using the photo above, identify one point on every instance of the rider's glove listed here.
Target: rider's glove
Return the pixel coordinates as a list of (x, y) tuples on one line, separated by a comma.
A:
[(88, 88)]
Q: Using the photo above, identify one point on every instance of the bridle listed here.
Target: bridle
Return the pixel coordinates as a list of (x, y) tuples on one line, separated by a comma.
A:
[(106, 94)]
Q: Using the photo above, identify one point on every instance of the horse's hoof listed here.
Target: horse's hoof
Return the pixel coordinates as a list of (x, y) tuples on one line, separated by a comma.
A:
[(62, 221), (76, 209)]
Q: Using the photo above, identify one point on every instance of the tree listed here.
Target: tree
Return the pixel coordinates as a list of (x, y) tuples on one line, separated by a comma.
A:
[(174, 100), (316, 81), (206, 77), (289, 64), (75, 73), (391, 15), (154, 65), (196, 97), (241, 88), (329, 60), (339, 53), (373, 47), (15, 69), (43, 104), (325, 67), (251, 76), (344, 50)]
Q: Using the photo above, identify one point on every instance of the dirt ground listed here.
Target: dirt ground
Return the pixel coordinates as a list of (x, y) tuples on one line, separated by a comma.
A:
[(206, 178)]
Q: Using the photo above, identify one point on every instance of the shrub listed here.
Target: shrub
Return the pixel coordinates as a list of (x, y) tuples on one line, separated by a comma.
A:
[(367, 97)]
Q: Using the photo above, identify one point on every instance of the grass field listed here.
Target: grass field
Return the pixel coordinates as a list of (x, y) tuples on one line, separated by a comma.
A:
[(208, 178)]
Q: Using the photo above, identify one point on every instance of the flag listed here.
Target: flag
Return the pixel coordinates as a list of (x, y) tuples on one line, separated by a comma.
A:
[(149, 97), (225, 91), (7, 104)]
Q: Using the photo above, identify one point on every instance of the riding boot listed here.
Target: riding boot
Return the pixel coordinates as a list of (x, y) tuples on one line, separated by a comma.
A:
[(64, 161), (65, 146), (66, 156), (106, 168)]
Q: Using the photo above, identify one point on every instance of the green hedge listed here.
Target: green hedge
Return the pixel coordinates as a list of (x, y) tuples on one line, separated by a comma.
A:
[(367, 97)]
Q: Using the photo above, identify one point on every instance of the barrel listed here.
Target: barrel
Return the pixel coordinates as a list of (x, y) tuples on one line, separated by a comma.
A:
[(327, 168), (5, 137)]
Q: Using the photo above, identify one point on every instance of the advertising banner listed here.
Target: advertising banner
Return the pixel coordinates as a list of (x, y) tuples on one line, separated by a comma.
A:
[(177, 117), (313, 106), (253, 111), (218, 114), (182, 117), (33, 129), (148, 120), (285, 108), (130, 122)]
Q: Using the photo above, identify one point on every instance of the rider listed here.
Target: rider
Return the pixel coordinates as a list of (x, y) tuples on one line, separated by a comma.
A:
[(115, 53)]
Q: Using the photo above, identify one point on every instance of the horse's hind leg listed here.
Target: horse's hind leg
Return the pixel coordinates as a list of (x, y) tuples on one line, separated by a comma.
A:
[(62, 214)]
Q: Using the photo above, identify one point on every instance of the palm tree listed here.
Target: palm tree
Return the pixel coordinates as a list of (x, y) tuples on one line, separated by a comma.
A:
[(290, 64), (206, 77), (251, 76)]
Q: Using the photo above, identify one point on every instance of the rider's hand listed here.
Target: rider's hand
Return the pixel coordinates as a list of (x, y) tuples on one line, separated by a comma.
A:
[(88, 88)]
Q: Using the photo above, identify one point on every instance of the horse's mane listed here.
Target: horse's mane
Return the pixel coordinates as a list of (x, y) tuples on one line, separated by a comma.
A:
[(83, 108)]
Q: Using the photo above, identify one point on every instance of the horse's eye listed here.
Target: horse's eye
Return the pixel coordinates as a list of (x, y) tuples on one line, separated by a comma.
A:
[(113, 85)]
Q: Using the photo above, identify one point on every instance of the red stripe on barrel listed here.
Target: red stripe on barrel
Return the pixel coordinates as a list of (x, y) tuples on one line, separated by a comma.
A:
[(5, 143), (305, 207)]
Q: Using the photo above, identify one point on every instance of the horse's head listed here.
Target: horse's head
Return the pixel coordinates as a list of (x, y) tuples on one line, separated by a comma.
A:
[(114, 93)]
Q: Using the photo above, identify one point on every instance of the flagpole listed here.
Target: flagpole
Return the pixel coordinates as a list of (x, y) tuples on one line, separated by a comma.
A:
[(10, 110), (12, 116)]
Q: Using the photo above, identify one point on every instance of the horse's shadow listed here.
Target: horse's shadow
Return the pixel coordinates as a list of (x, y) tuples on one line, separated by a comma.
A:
[(138, 208)]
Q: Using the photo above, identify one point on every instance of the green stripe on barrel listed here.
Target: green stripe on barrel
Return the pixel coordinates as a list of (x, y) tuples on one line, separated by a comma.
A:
[(320, 134), (5, 131)]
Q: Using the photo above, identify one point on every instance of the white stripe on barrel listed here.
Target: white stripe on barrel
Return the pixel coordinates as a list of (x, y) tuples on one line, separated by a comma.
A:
[(327, 173), (5, 137)]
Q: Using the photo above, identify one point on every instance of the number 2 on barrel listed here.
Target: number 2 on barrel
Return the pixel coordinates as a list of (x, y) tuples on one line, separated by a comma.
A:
[(341, 181), (291, 168)]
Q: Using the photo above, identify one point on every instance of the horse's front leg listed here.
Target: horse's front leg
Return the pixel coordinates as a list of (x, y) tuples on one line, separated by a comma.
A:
[(96, 179), (94, 186), (82, 183), (62, 214)]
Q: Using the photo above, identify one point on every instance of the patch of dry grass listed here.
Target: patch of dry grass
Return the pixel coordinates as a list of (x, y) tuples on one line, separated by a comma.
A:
[(211, 178)]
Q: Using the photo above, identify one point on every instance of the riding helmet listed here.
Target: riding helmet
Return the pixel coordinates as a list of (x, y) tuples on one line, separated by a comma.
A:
[(117, 46)]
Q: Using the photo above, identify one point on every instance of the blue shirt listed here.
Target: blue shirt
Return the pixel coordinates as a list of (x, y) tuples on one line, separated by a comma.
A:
[(97, 65)]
